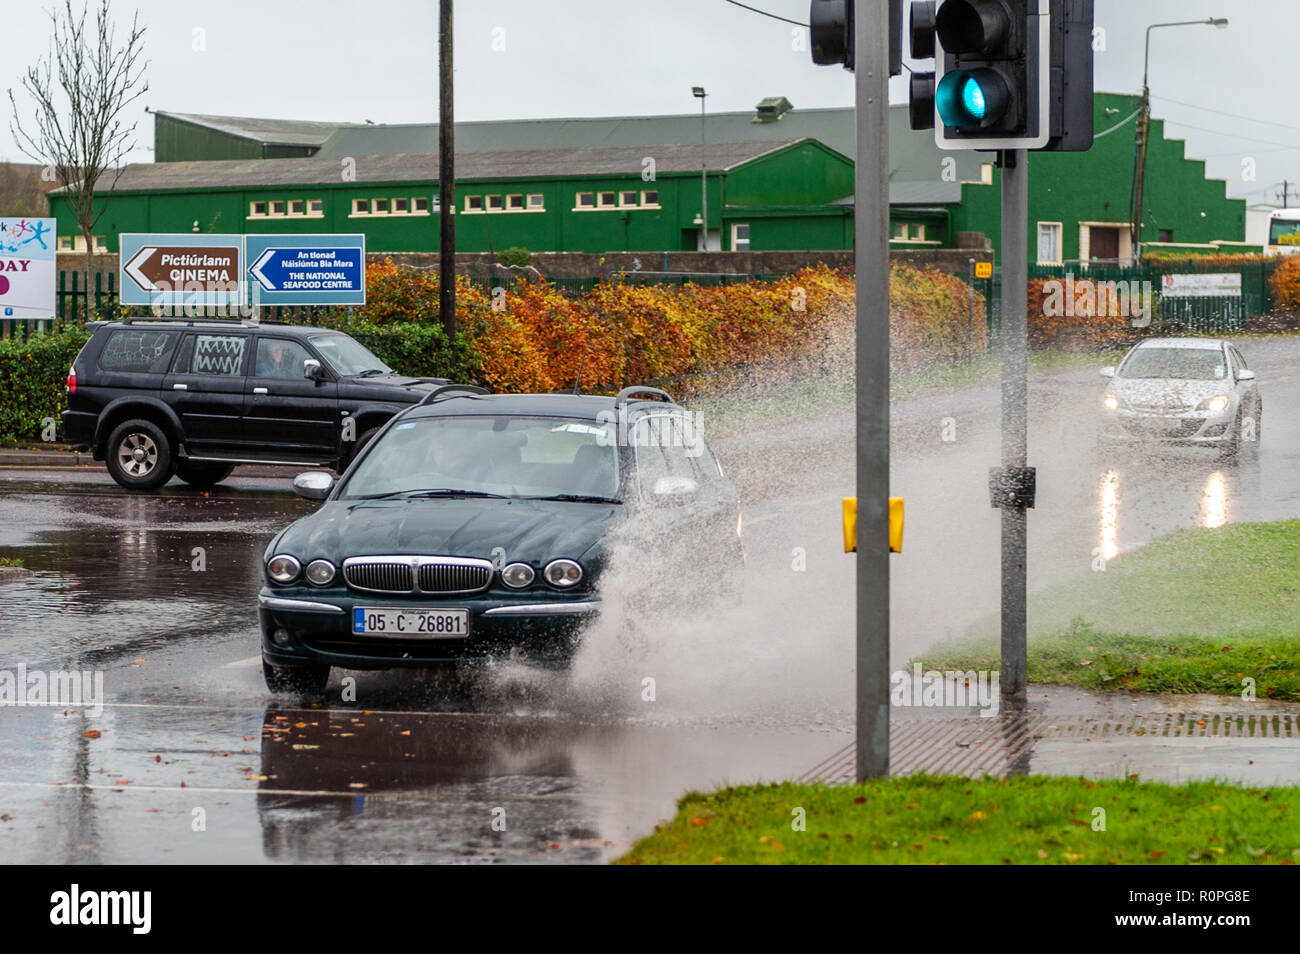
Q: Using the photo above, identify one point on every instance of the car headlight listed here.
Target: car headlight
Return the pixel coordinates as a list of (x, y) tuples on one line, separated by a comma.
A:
[(1214, 404), (1111, 402), (562, 573), (320, 572), (283, 568), (517, 575)]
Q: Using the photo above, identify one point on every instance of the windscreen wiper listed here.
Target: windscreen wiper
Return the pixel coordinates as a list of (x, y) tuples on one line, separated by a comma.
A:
[(433, 492), (370, 372), (580, 498)]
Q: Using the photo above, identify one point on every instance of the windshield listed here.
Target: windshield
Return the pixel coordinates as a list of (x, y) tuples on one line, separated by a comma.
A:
[(1284, 232), (346, 356), (504, 456), (1189, 364)]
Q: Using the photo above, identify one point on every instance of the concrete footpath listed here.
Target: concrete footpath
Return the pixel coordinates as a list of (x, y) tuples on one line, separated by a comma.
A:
[(1097, 735), (61, 457)]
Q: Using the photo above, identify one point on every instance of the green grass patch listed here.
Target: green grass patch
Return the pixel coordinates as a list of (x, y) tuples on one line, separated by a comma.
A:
[(11, 562), (945, 820), (1194, 611)]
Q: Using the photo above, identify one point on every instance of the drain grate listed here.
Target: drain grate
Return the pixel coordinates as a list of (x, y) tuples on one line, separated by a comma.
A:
[(972, 745)]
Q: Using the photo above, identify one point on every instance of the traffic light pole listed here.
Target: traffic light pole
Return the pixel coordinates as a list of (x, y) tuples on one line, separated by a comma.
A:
[(1015, 418), (871, 260)]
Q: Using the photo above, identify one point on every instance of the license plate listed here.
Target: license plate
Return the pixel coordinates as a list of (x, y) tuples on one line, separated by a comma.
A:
[(410, 623)]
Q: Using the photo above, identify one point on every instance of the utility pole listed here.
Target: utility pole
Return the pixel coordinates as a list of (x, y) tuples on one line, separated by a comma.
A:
[(700, 94), (871, 262), (446, 179), (1017, 477)]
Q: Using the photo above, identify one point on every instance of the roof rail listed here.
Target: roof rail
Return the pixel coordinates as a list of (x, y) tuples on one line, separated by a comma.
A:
[(200, 322), (438, 392), (626, 393)]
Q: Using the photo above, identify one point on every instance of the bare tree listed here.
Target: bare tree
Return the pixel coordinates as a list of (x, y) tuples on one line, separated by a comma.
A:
[(80, 91)]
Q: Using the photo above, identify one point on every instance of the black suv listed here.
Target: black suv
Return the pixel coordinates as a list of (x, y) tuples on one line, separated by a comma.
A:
[(153, 398)]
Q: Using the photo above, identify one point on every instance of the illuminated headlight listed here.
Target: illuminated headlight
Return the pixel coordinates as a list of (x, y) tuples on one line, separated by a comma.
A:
[(321, 572), (283, 568), (1214, 404), (1111, 402), (518, 575), (563, 573)]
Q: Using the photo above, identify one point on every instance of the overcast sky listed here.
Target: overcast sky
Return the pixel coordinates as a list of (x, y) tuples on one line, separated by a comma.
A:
[(1230, 93)]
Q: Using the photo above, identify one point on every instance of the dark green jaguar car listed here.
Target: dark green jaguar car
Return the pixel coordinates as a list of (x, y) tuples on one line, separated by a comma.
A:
[(476, 526)]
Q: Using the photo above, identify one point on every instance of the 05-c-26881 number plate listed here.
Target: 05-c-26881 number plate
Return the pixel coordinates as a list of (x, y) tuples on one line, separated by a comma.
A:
[(410, 623)]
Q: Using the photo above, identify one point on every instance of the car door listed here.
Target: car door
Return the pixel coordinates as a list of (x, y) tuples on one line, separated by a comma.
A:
[(206, 390), (287, 414)]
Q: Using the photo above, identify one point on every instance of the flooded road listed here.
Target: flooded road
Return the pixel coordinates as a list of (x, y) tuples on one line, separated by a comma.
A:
[(192, 760)]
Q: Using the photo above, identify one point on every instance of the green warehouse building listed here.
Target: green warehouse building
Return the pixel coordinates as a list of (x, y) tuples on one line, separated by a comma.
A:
[(778, 179)]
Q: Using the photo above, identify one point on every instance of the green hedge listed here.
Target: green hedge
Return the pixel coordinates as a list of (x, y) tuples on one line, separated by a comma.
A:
[(33, 376), (417, 349)]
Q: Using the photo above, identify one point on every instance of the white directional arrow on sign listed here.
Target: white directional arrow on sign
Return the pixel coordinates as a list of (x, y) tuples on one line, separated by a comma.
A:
[(256, 270), (132, 267)]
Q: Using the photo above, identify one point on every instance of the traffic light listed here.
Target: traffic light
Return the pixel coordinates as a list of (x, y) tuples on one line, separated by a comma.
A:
[(831, 30), (1009, 74)]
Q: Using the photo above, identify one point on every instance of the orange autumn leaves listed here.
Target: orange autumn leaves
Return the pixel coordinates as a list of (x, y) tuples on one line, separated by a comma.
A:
[(538, 337)]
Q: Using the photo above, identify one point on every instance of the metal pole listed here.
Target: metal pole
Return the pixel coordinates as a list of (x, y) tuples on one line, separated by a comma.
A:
[(704, 183), (446, 179), (871, 260), (970, 321), (1015, 418)]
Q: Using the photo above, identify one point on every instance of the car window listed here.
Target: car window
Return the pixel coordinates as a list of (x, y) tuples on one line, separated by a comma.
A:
[(1187, 364), (279, 358), (1241, 359), (138, 351), (509, 456), (663, 449), (218, 355), (346, 356)]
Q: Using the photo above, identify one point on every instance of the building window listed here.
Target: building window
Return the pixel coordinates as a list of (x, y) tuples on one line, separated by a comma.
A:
[(65, 243), (515, 203), (899, 232), (586, 200), (297, 207), (536, 202), (256, 209), (740, 237), (422, 205), (360, 206), (401, 207), (1049, 243), (494, 203), (907, 232), (1166, 235), (628, 199), (607, 200), (650, 198), (379, 207), (473, 203), (277, 208), (315, 207)]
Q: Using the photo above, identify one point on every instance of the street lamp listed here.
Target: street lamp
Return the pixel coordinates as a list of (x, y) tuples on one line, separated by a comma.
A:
[(698, 92), (1143, 128)]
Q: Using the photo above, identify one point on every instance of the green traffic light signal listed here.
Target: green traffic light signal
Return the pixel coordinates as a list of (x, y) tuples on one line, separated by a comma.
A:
[(972, 98)]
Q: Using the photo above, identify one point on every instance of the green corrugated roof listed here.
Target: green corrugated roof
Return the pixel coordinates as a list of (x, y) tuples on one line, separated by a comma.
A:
[(515, 164), (267, 132)]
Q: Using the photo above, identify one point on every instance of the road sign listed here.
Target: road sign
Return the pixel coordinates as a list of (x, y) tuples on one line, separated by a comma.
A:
[(306, 269), (181, 269), (983, 269), (27, 272)]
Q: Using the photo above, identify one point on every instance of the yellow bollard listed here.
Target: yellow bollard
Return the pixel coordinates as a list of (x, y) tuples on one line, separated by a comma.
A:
[(895, 524)]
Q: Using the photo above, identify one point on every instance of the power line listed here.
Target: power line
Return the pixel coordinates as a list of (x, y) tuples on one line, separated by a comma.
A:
[(1220, 112), (1218, 132), (734, 3)]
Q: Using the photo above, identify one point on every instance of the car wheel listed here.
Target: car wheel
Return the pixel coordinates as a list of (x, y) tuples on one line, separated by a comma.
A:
[(366, 437), (202, 473), (1232, 449), (139, 455), (304, 680)]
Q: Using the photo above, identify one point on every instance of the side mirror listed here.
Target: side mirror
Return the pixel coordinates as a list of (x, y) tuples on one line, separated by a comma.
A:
[(674, 490), (1108, 371), (313, 485), (311, 369), (1246, 375)]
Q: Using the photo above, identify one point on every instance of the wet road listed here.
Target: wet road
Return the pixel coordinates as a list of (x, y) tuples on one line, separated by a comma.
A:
[(192, 760)]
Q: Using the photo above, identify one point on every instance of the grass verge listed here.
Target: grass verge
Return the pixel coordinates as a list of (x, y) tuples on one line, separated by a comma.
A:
[(1195, 611), (944, 820)]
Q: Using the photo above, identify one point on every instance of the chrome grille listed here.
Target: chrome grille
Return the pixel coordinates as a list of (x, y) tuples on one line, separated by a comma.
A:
[(422, 574), (379, 577), (444, 576)]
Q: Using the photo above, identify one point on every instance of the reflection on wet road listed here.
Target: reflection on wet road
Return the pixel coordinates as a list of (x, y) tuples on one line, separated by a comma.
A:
[(192, 760)]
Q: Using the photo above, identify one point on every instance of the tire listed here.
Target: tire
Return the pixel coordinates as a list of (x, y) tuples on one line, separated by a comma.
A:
[(202, 473), (139, 455), (366, 437), (300, 680), (1232, 449)]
